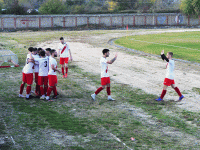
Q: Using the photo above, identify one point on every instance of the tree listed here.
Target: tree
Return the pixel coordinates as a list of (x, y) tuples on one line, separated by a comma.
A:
[(126, 4), (52, 7), (190, 7)]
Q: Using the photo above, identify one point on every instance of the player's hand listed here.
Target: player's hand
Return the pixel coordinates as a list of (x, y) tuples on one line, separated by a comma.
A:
[(71, 58), (59, 71), (162, 52)]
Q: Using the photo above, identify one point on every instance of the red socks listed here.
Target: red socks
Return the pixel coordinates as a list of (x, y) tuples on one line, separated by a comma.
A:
[(42, 90), (98, 90), (163, 94), (28, 89), (66, 69), (45, 89), (55, 91), (21, 88), (49, 91), (108, 90), (178, 91), (62, 70)]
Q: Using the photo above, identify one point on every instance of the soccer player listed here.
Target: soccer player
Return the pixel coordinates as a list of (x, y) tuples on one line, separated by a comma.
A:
[(43, 72), (63, 52), (36, 70), (105, 79), (52, 75), (27, 75), (169, 80)]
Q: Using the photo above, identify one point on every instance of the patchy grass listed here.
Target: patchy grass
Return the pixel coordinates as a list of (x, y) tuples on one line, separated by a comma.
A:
[(184, 45), (74, 121)]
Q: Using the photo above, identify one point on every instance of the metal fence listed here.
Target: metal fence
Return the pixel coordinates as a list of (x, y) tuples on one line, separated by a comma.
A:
[(108, 20)]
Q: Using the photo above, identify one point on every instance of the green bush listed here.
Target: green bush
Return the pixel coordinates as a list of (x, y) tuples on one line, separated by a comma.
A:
[(190, 7), (52, 7)]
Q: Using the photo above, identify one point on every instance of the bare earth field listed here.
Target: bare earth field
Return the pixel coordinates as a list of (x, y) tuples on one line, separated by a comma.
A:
[(138, 70)]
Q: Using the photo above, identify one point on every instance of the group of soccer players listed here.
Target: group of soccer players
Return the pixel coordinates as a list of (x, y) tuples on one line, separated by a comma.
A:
[(44, 64)]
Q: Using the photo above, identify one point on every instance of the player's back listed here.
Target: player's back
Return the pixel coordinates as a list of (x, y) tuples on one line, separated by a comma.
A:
[(28, 68), (43, 66)]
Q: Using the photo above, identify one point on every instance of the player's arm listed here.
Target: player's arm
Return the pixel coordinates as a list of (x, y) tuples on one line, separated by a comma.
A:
[(31, 59), (55, 69), (163, 56), (112, 60)]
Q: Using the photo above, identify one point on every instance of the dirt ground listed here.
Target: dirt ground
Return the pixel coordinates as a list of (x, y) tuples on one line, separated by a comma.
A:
[(139, 71)]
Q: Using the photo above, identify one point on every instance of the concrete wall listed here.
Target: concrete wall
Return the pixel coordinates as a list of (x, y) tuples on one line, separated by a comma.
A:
[(112, 20)]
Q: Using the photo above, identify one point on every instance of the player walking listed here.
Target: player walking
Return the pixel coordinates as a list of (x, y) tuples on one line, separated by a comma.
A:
[(27, 75), (169, 80), (105, 79), (43, 73), (63, 52), (52, 75)]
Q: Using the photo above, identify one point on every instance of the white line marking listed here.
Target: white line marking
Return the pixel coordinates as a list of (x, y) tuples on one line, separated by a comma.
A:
[(12, 140), (165, 44), (116, 138)]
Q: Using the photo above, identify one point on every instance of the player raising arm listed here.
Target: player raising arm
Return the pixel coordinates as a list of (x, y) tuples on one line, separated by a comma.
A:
[(52, 75), (169, 80), (105, 78)]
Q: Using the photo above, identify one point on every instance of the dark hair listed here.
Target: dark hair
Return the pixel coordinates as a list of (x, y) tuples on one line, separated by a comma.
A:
[(30, 49), (52, 51), (39, 49), (170, 53), (61, 38), (105, 51), (48, 49), (42, 53)]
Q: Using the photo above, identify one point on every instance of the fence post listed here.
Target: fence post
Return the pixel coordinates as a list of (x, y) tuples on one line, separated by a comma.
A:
[(39, 22), (52, 22), (111, 21), (76, 21), (63, 22), (167, 20), (27, 22), (134, 21), (2, 23), (188, 20), (15, 23), (122, 21)]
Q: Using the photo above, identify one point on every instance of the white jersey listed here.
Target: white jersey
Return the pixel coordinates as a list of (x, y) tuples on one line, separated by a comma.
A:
[(36, 65), (52, 61), (43, 66), (170, 70), (28, 68), (104, 67), (65, 48)]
